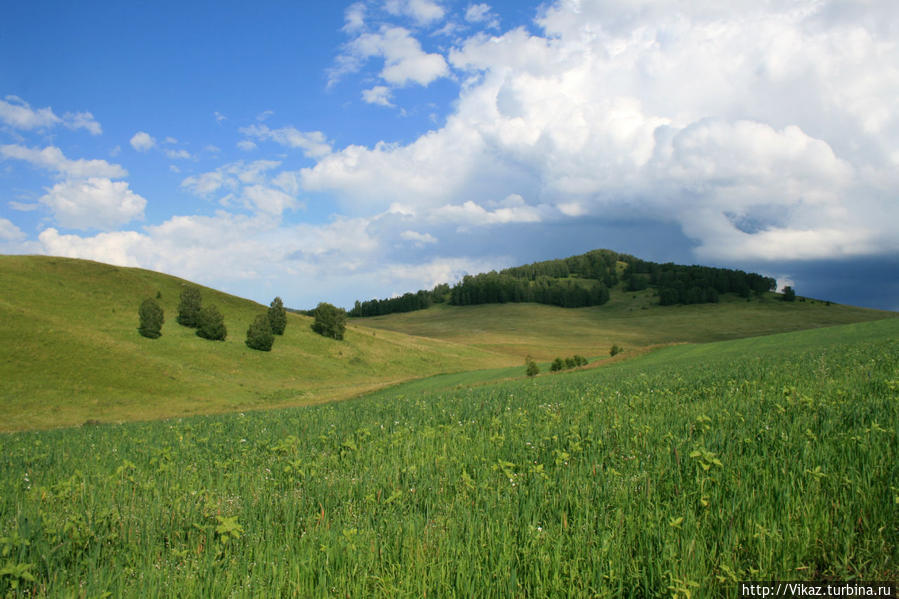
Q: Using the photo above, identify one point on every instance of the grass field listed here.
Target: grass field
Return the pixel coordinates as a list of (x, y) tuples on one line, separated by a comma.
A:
[(70, 351), (629, 319), (676, 473)]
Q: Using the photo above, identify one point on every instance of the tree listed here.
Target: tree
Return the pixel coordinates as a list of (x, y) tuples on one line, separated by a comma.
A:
[(789, 294), (277, 316), (211, 324), (531, 367), (189, 307), (557, 365), (260, 335), (615, 350), (330, 321), (151, 319)]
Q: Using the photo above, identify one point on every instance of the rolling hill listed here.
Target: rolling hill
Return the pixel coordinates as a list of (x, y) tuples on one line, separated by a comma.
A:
[(70, 352), (630, 319)]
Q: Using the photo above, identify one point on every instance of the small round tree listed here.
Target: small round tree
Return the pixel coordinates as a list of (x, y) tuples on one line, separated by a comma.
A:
[(789, 294), (330, 321), (151, 319), (189, 307), (557, 365), (211, 324), (259, 335), (277, 316), (532, 368)]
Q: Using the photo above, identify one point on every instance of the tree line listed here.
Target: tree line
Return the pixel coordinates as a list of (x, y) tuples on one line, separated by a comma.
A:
[(679, 284), (578, 281), (498, 288)]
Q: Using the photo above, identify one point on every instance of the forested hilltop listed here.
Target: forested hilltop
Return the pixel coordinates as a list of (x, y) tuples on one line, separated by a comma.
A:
[(578, 281)]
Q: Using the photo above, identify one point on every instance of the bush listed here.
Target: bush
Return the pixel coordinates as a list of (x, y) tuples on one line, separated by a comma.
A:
[(615, 350), (557, 365), (189, 307), (151, 319), (330, 321), (260, 335), (570, 363), (580, 360), (211, 324), (277, 316), (532, 369), (789, 294)]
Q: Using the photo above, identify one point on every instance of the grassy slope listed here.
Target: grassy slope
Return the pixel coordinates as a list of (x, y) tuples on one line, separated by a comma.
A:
[(677, 473), (70, 351), (629, 319)]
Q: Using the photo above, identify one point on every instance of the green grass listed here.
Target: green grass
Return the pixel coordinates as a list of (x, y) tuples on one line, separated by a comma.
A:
[(629, 319), (676, 473), (70, 351)]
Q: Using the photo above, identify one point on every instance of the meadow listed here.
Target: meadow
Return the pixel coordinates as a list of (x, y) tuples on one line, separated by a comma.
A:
[(631, 319), (676, 473), (70, 352)]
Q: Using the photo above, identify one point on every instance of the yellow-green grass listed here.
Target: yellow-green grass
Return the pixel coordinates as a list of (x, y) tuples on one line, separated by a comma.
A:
[(70, 351), (631, 320), (676, 474)]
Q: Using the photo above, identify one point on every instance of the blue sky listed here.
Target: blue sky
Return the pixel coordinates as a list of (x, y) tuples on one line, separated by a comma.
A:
[(340, 151)]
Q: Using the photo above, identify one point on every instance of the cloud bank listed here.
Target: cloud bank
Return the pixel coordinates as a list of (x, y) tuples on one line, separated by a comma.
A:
[(761, 132)]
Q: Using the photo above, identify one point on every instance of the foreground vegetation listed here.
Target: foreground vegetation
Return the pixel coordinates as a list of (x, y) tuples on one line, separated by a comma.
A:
[(673, 474)]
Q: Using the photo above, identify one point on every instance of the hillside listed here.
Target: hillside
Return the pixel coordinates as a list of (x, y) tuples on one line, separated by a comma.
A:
[(631, 319), (70, 351), (678, 473)]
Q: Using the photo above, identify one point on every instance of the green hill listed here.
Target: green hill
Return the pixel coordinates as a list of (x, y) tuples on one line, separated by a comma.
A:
[(70, 351), (630, 319)]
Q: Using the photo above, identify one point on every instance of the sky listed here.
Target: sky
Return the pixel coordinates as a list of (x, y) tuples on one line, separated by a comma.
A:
[(335, 151)]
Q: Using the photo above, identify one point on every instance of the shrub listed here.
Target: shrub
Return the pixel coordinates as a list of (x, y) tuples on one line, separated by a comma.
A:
[(615, 350), (330, 321), (580, 360), (189, 307), (789, 294), (277, 316), (532, 368), (260, 335), (211, 324), (151, 319), (557, 365), (570, 363)]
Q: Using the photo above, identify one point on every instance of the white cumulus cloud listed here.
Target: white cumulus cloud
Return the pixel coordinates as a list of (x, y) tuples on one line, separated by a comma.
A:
[(10, 232), (51, 158), (313, 143), (763, 130), (142, 141), (93, 203), (379, 94), (424, 12)]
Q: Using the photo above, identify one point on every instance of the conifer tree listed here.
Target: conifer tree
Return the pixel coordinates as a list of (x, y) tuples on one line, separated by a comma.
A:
[(277, 316), (151, 319), (211, 324), (259, 335), (189, 307)]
